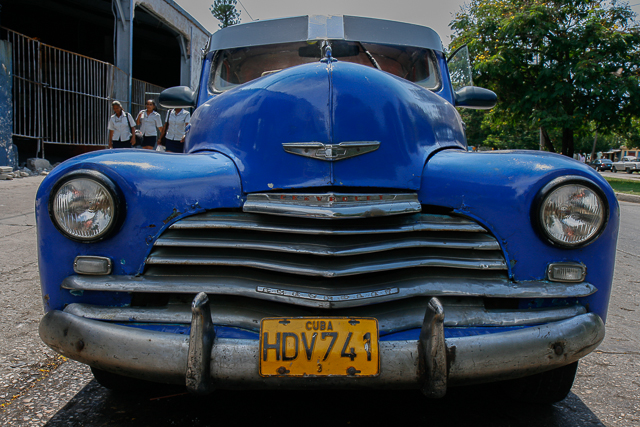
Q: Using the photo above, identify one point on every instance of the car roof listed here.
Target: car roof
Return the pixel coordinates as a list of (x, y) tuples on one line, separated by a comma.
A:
[(325, 27)]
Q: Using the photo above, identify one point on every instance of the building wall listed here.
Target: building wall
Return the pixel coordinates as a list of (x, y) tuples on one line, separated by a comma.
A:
[(194, 34)]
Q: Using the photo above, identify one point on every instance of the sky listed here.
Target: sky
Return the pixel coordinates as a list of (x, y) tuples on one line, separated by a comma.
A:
[(436, 14)]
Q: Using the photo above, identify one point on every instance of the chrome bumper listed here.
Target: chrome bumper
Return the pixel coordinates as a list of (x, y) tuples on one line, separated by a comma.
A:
[(432, 363)]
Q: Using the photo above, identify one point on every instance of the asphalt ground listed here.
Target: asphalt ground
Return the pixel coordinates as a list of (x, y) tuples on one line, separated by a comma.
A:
[(38, 387)]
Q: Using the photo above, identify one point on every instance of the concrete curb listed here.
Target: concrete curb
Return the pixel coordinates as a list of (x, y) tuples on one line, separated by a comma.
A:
[(627, 198)]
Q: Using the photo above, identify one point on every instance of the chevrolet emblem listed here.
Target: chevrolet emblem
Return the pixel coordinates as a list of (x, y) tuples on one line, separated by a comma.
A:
[(330, 152)]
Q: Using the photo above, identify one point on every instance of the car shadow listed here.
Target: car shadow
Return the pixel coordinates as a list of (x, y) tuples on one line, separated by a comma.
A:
[(474, 406)]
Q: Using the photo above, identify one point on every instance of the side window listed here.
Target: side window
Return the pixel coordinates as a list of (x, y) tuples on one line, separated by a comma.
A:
[(460, 68), (224, 77)]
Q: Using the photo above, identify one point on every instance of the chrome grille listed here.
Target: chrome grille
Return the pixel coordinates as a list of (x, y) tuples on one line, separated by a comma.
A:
[(307, 247)]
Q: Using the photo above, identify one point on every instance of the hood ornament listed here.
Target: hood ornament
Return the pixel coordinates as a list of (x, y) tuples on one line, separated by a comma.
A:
[(330, 152)]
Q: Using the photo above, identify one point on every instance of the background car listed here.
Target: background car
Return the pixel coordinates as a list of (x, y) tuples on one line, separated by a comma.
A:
[(627, 164), (601, 165)]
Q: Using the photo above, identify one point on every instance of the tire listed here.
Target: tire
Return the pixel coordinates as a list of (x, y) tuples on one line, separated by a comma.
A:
[(544, 388), (120, 383), (629, 171), (614, 170)]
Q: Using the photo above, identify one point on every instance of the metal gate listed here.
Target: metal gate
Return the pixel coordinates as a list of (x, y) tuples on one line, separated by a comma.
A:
[(65, 98)]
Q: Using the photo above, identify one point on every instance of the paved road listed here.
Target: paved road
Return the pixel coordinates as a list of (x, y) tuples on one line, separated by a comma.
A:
[(39, 388)]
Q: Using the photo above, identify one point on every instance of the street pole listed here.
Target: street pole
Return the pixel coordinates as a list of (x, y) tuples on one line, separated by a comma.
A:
[(131, 6)]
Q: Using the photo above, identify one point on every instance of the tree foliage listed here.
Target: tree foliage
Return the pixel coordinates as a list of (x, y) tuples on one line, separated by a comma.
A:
[(564, 66), (225, 11)]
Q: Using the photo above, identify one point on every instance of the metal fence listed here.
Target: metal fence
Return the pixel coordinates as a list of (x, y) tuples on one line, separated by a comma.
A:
[(65, 98), (140, 92)]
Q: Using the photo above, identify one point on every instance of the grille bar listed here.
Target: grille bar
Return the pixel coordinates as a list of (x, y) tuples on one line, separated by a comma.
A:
[(322, 245), (335, 267), (328, 249), (269, 223)]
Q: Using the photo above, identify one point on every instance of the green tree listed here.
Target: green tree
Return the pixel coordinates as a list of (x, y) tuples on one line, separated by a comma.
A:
[(225, 11), (560, 66)]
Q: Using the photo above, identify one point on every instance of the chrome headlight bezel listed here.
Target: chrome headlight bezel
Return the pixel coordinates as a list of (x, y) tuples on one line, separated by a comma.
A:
[(547, 190), (108, 185)]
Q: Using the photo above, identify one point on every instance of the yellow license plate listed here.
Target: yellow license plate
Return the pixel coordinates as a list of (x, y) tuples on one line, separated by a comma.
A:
[(319, 347)]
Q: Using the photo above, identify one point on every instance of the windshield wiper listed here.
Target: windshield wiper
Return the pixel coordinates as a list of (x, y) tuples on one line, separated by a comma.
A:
[(371, 58)]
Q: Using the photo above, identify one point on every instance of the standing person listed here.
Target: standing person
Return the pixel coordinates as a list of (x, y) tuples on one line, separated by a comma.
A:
[(150, 124), (121, 128), (174, 128)]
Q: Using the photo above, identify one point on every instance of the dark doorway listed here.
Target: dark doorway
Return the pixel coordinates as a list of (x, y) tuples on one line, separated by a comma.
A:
[(84, 27), (87, 28), (156, 52)]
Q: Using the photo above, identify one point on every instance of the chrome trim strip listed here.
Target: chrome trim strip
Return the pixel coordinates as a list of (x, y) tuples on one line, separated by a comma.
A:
[(397, 224), (356, 245), (323, 297), (409, 286), (392, 317), (162, 357), (331, 152), (332, 205), (334, 267), (367, 211)]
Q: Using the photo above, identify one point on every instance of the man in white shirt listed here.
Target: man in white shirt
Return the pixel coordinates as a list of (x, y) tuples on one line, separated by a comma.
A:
[(121, 128), (149, 120), (174, 128)]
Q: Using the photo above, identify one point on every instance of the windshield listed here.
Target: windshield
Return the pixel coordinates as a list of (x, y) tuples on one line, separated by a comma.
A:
[(233, 67)]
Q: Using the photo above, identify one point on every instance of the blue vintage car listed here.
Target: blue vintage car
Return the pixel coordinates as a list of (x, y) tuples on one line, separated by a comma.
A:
[(327, 228)]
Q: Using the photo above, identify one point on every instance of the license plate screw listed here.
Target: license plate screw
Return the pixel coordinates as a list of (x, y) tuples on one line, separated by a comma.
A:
[(282, 370), (352, 371)]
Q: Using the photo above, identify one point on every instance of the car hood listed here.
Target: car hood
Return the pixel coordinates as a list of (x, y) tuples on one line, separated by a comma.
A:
[(328, 103)]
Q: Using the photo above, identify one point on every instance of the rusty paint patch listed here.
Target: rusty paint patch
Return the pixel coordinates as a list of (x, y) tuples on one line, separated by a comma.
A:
[(175, 214)]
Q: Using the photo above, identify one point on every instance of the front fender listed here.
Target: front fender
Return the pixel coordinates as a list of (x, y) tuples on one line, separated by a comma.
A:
[(158, 189), (498, 190)]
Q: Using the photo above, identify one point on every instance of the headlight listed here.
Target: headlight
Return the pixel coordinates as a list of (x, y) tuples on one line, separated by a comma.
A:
[(571, 211), (84, 206)]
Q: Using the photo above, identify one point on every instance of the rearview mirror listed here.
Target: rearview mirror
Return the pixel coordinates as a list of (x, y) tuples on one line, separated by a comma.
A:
[(339, 49), (178, 97), (476, 98)]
